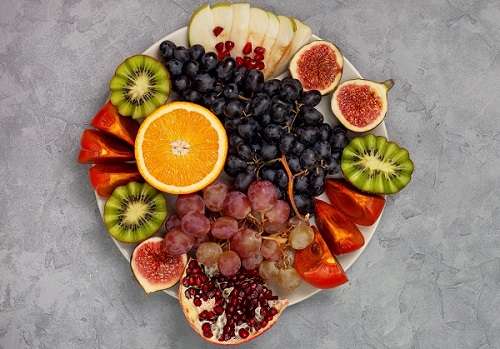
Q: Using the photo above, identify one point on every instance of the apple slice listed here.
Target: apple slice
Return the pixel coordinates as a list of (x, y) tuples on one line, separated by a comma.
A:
[(240, 27), (259, 20), (301, 37), (273, 26), (287, 28), (222, 14), (201, 20)]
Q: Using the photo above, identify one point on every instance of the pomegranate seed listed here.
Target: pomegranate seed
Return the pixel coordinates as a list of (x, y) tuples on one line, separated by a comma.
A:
[(197, 302), (218, 310), (251, 64), (219, 47), (208, 334), (258, 57), (243, 333), (229, 45), (223, 55), (218, 30), (259, 50), (260, 65), (239, 62), (247, 48), (263, 323)]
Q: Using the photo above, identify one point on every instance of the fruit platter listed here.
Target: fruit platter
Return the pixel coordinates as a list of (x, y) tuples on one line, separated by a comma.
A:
[(241, 165)]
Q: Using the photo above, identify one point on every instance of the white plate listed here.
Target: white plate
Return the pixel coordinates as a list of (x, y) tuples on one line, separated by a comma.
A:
[(305, 290)]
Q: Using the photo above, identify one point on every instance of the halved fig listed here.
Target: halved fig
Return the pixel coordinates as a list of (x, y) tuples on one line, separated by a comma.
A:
[(360, 105), (318, 65), (154, 268), (227, 310)]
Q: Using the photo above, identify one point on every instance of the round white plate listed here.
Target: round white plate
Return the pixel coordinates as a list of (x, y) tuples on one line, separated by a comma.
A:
[(305, 290)]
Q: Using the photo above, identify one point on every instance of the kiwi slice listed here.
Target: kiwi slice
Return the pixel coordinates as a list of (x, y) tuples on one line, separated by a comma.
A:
[(134, 212), (140, 85), (375, 165)]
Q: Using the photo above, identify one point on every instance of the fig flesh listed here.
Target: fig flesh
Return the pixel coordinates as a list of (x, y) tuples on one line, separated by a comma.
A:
[(359, 104), (318, 66), (155, 269)]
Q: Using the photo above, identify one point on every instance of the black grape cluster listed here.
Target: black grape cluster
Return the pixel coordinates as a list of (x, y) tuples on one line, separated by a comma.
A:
[(264, 120)]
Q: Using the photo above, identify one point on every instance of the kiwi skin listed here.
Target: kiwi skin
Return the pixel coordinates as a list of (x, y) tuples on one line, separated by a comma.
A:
[(134, 212), (375, 165)]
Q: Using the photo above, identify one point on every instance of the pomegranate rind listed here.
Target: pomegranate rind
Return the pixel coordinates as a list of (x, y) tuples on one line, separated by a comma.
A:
[(167, 271), (191, 312), (318, 65), (361, 105)]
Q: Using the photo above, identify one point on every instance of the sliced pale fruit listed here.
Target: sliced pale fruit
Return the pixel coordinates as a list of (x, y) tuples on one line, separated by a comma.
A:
[(239, 27), (222, 14), (271, 34), (300, 38), (257, 27), (198, 29), (283, 39)]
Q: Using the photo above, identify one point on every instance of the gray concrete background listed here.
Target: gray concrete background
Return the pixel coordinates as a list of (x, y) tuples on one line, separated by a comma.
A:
[(430, 277)]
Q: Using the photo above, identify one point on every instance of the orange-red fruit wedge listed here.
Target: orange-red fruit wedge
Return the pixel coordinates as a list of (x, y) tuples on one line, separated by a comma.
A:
[(340, 234), (109, 120), (180, 148), (105, 178), (317, 266), (360, 207), (98, 147)]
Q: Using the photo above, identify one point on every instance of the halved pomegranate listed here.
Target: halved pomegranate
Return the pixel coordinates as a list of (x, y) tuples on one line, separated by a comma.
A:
[(227, 310), (154, 268)]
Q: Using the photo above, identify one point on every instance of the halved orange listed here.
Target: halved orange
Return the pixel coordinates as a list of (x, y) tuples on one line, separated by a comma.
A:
[(180, 148)]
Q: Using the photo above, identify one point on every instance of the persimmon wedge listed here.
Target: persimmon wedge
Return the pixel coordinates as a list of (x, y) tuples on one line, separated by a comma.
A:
[(340, 234), (318, 266), (361, 208), (105, 178), (109, 120), (99, 147)]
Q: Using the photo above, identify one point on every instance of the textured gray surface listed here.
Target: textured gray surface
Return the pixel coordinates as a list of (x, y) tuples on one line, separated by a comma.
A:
[(430, 278)]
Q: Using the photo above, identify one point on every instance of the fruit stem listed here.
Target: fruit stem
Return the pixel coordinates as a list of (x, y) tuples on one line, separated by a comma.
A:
[(388, 84), (278, 239), (290, 189)]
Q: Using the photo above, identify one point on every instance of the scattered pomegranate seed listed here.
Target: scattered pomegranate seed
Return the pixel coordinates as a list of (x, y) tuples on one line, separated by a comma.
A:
[(229, 45), (219, 47), (218, 30), (251, 64), (248, 48), (243, 333), (258, 57), (246, 60), (260, 65), (259, 50), (223, 54), (239, 62)]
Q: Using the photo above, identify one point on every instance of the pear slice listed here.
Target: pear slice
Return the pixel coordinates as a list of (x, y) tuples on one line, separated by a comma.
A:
[(257, 28), (273, 26), (222, 14), (286, 32), (301, 37), (240, 27), (201, 20)]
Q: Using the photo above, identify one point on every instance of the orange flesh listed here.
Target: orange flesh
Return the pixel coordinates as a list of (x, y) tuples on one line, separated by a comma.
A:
[(359, 104), (180, 154), (318, 67)]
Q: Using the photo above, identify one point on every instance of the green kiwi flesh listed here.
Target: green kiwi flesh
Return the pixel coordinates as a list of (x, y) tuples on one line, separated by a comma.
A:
[(134, 212), (375, 165), (140, 85)]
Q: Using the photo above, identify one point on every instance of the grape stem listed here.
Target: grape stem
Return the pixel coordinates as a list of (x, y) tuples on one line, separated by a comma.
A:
[(290, 189)]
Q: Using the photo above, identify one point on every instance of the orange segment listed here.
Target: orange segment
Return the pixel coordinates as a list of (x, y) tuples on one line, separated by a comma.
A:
[(181, 148)]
